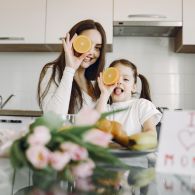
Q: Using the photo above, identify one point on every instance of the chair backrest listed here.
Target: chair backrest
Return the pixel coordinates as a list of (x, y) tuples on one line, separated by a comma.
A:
[(158, 126)]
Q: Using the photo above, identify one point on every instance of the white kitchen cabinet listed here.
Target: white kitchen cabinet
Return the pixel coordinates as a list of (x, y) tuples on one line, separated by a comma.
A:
[(188, 22), (22, 21), (147, 10), (63, 14), (185, 40)]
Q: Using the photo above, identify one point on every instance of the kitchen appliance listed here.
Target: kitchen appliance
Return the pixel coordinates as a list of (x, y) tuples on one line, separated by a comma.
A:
[(146, 28), (15, 123)]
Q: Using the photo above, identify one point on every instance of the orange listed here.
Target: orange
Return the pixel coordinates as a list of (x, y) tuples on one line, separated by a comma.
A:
[(104, 125), (110, 76), (82, 44)]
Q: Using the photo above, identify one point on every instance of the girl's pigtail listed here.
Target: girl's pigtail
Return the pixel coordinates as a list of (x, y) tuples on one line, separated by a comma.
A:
[(145, 91)]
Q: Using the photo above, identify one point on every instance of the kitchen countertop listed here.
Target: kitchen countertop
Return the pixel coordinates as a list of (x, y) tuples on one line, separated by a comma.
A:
[(34, 113)]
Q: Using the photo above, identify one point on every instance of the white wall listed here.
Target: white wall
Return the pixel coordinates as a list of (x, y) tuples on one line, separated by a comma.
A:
[(19, 75), (171, 75)]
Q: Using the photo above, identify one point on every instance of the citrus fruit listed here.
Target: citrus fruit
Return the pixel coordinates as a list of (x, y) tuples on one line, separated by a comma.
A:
[(110, 76), (82, 44), (104, 125)]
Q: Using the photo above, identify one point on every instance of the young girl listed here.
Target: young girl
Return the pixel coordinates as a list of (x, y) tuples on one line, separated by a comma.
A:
[(66, 83), (141, 115)]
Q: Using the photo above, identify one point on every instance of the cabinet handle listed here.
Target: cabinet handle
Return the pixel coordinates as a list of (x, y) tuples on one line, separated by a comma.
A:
[(146, 16), (12, 38)]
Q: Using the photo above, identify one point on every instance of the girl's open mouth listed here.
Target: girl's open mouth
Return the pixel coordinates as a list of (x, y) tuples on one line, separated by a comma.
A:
[(118, 91)]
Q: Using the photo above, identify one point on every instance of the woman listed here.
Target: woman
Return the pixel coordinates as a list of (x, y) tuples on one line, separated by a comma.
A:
[(69, 82)]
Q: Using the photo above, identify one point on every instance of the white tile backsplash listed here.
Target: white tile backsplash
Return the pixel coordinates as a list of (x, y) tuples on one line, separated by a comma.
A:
[(189, 84), (171, 75), (187, 101), (167, 83), (171, 101)]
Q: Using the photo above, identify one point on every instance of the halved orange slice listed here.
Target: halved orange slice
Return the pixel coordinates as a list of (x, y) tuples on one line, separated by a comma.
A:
[(110, 76), (82, 44)]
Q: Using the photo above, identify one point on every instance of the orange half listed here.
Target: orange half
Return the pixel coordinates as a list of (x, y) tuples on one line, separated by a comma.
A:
[(110, 76), (82, 44)]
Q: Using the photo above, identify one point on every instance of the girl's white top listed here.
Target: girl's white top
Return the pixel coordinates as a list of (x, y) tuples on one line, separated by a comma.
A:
[(58, 97), (132, 119)]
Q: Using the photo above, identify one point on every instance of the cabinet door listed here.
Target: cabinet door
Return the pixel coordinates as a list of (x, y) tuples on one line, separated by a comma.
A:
[(63, 14), (147, 10), (22, 21), (188, 22)]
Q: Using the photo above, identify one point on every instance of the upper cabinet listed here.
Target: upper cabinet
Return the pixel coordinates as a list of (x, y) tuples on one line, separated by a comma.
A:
[(154, 18), (22, 21), (38, 25), (147, 10), (185, 40), (63, 14)]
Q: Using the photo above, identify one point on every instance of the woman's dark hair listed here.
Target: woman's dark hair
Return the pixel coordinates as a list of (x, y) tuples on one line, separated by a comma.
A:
[(145, 91), (91, 73)]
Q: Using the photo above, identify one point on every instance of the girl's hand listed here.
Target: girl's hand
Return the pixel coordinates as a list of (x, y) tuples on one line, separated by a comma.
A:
[(105, 89), (70, 59)]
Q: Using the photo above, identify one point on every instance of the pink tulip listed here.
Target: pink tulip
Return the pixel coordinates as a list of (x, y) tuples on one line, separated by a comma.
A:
[(38, 156), (59, 160), (83, 169), (40, 136), (87, 116), (79, 154), (75, 151), (97, 137), (84, 184)]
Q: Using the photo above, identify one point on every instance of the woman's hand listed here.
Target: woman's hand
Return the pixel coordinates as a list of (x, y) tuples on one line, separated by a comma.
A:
[(70, 59), (105, 89)]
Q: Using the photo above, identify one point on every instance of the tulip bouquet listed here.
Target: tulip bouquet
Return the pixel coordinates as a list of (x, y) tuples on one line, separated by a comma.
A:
[(53, 147)]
